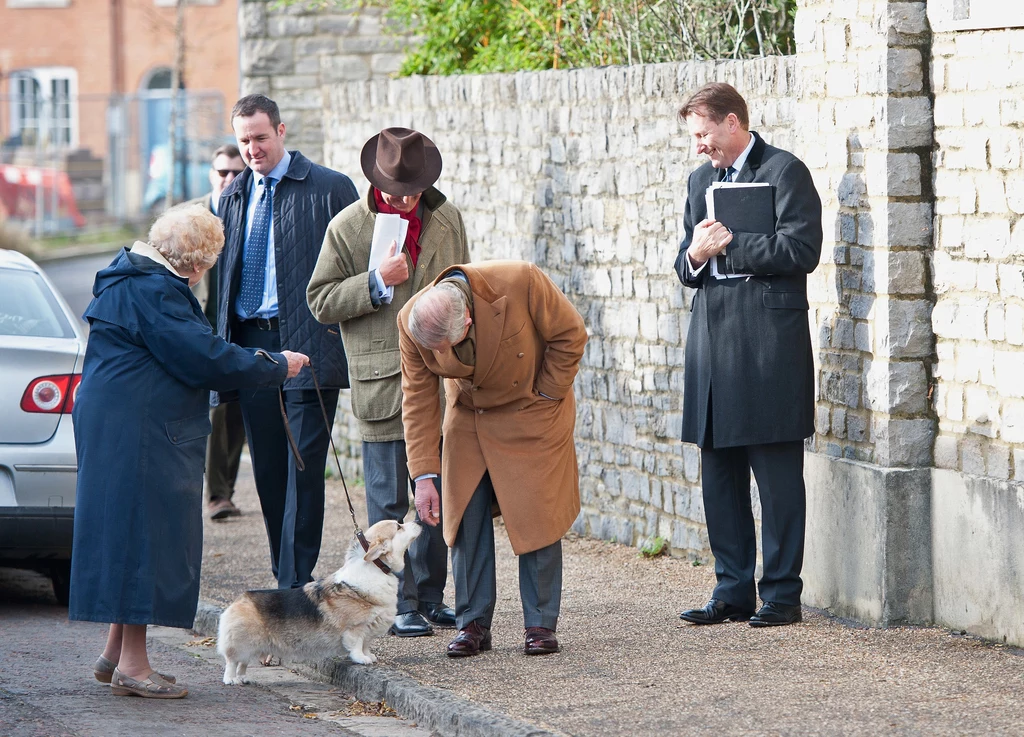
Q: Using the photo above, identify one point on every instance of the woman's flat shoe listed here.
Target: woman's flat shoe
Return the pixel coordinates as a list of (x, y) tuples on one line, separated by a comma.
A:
[(152, 687), (104, 669)]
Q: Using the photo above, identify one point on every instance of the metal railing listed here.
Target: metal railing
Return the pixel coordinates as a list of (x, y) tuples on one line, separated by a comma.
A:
[(96, 160)]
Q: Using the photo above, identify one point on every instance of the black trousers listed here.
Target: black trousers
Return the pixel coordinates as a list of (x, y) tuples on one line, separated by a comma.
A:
[(725, 476), (292, 500), (223, 450)]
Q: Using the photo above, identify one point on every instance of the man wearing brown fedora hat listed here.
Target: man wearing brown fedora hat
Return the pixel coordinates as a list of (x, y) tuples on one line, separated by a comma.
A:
[(401, 166)]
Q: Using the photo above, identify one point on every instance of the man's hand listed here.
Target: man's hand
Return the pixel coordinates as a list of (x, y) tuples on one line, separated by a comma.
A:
[(428, 503), (394, 269), (295, 362), (710, 238)]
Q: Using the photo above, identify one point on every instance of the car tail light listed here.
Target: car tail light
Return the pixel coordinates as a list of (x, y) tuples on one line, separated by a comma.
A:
[(51, 394)]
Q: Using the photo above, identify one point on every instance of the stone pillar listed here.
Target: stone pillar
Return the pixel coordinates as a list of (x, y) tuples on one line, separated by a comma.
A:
[(867, 135)]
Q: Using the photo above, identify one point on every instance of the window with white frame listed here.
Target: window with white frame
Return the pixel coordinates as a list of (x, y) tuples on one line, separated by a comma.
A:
[(44, 107)]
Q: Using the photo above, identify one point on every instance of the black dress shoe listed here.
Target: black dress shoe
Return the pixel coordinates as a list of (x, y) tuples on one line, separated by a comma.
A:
[(716, 611), (411, 624), (775, 615), (438, 615)]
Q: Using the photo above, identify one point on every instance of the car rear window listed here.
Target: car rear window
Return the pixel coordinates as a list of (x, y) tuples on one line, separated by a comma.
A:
[(28, 307)]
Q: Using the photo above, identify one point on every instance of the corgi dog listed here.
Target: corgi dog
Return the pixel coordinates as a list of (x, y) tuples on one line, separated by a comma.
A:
[(344, 611)]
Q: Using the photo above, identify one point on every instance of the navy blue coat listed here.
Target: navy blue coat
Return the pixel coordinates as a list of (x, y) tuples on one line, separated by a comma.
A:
[(305, 201), (141, 419)]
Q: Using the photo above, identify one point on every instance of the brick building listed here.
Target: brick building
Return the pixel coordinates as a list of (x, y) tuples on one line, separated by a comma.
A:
[(89, 81)]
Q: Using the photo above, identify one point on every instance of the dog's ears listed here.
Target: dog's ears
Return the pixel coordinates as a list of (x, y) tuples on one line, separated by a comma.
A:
[(377, 550)]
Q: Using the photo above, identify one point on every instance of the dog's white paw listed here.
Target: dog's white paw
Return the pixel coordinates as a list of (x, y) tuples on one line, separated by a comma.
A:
[(234, 681), (363, 658)]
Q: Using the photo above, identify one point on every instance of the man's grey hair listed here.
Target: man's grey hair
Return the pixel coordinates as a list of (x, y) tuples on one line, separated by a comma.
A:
[(439, 316)]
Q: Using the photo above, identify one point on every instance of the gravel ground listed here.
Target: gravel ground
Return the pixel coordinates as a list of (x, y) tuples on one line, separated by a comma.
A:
[(629, 666)]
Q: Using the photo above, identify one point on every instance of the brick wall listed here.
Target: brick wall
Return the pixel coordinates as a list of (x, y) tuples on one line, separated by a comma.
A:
[(866, 122), (978, 269)]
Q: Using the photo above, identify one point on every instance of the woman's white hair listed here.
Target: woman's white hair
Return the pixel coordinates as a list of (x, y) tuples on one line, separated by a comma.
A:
[(189, 236), (439, 316)]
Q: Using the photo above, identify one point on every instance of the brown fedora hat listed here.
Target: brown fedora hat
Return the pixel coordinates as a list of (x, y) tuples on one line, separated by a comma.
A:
[(400, 161)]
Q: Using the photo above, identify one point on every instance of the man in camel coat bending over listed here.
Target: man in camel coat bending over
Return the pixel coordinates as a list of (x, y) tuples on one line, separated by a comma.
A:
[(508, 344)]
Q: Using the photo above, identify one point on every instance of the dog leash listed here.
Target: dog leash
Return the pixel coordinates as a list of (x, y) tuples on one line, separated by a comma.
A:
[(300, 464)]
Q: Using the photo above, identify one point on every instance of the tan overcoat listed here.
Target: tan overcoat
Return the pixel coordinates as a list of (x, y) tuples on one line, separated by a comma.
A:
[(339, 292), (529, 341)]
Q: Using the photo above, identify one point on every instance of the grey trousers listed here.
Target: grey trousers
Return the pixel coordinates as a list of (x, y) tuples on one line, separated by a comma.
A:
[(540, 571), (387, 497)]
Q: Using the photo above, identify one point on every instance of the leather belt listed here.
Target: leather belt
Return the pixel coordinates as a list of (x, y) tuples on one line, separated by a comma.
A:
[(261, 323)]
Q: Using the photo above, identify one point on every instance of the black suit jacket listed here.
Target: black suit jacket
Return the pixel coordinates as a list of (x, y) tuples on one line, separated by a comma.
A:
[(748, 351)]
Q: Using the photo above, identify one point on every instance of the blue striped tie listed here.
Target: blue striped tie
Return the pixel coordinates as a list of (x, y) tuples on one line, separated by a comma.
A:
[(254, 269)]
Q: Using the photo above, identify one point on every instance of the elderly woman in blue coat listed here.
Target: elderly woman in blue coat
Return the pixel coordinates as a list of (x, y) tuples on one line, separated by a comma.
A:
[(141, 419)]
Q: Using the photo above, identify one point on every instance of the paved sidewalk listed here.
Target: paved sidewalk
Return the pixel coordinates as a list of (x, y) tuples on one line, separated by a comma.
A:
[(629, 666)]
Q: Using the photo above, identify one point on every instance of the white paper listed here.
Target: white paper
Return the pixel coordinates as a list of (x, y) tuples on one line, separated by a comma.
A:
[(386, 228)]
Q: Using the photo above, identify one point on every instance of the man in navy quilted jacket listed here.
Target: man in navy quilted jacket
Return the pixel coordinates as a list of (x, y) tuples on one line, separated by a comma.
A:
[(275, 214)]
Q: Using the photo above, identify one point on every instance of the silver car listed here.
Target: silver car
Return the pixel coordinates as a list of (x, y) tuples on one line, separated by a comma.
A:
[(42, 347)]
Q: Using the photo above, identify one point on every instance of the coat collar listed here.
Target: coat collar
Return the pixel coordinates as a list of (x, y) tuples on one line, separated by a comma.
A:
[(144, 249), (489, 315), (298, 170), (754, 158), (750, 166)]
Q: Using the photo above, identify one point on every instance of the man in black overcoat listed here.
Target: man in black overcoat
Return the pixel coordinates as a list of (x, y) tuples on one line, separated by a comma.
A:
[(748, 397)]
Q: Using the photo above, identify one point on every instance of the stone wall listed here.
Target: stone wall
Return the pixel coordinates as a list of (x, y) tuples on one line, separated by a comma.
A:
[(290, 53), (584, 172), (915, 506)]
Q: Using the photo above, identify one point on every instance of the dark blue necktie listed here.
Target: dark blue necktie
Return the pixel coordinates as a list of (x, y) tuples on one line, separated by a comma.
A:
[(254, 268), (720, 260)]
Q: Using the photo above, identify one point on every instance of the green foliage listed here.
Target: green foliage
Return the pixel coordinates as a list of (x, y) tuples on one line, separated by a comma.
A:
[(481, 36), (654, 547)]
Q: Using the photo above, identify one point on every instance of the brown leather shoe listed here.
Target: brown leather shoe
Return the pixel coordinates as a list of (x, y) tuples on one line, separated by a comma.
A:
[(471, 640), (540, 641), (220, 509)]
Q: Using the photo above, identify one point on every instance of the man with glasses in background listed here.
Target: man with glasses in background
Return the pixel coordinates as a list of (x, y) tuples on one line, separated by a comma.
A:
[(224, 447)]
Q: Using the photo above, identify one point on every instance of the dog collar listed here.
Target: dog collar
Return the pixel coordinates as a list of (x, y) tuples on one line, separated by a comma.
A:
[(366, 546)]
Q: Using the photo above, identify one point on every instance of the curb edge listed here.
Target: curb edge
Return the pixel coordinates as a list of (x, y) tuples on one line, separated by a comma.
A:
[(431, 707)]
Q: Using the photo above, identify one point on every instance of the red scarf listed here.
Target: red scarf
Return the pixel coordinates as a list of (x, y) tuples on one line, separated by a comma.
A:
[(412, 237)]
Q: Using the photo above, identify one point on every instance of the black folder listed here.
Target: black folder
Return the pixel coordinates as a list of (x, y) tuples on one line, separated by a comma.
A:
[(746, 209)]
